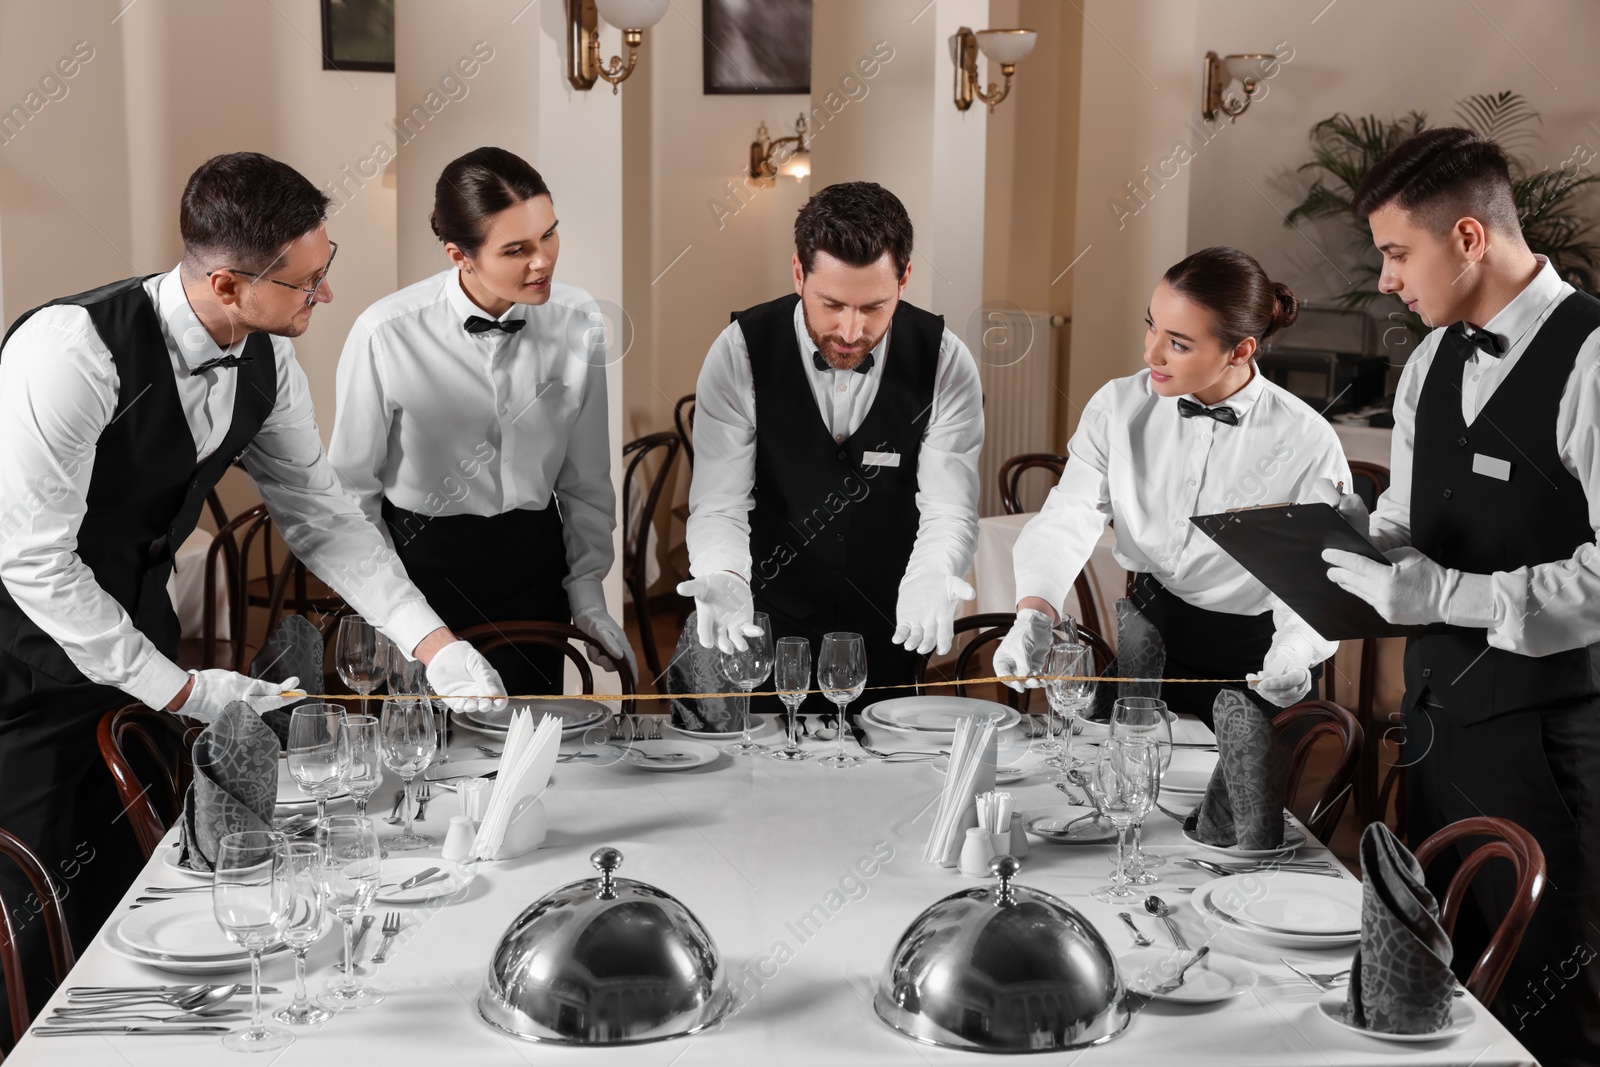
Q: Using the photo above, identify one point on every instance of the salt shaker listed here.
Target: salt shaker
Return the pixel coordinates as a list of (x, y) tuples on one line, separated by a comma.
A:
[(474, 794), (976, 852), (458, 839), (1019, 836)]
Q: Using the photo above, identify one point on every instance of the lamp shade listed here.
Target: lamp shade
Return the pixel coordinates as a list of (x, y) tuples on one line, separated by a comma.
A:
[(632, 14), (1006, 46)]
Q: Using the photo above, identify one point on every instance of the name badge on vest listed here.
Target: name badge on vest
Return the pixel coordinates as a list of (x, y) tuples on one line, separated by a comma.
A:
[(1491, 467), (880, 459)]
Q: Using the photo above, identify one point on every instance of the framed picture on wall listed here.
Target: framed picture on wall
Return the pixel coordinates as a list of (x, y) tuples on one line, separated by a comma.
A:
[(358, 35), (757, 46)]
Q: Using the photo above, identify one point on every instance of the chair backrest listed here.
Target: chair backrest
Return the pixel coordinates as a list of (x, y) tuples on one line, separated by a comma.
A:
[(493, 636), (1508, 841), (683, 419), (636, 565), (1012, 470), (1300, 727), (147, 752), (992, 628), (227, 541), (1371, 480), (48, 895)]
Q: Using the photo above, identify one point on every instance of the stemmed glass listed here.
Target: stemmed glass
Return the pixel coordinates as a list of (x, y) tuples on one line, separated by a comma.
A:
[(746, 670), (1124, 779), (361, 654), (366, 759), (252, 902), (409, 677), (842, 675), (1067, 660), (791, 676), (309, 920), (319, 751), (350, 873), (407, 738), (1145, 717)]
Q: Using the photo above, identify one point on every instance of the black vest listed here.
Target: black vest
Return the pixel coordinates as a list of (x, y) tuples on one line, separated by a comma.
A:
[(826, 530), (1480, 524), (146, 488)]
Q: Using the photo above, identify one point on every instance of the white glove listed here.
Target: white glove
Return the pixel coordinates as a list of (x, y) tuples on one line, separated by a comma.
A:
[(1414, 590), (724, 611), (598, 624), (214, 690), (1351, 506), (925, 613), (1280, 680), (460, 674), (1025, 649)]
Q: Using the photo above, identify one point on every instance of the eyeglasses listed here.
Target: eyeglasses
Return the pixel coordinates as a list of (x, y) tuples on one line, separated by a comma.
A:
[(311, 293)]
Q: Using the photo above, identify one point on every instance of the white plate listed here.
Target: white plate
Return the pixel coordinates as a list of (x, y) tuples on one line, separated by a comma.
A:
[(119, 947), (1332, 1007), (1292, 839), (633, 755), (576, 715), (1296, 904), (445, 774), (170, 862), (934, 719), (1207, 909), (181, 928), (759, 727), (1212, 979), (1044, 822), (1189, 783), (396, 869), (290, 795), (1003, 775)]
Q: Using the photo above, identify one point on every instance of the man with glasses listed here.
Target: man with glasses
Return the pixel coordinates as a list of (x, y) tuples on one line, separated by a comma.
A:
[(120, 409)]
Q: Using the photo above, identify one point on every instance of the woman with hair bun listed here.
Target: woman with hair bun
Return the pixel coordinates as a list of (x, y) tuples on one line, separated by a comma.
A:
[(1198, 431), (471, 421)]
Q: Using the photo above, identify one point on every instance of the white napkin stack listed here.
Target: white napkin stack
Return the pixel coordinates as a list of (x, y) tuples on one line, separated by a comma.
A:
[(971, 771), (513, 823)]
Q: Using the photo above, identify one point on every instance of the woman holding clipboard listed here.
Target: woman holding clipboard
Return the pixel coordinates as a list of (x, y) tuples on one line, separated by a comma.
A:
[(1196, 432)]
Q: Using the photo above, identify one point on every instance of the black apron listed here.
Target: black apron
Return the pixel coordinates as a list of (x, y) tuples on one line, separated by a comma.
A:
[(1490, 732), (145, 495), (475, 569), (830, 534)]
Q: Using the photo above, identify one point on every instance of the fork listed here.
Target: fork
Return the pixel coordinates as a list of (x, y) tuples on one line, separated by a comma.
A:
[(490, 753), (391, 927), (655, 729), (1324, 982)]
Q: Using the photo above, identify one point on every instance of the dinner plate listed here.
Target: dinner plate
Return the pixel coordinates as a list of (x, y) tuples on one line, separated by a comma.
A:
[(1189, 783), (1334, 1006), (934, 718), (1207, 908), (454, 878), (1004, 774), (1296, 904), (182, 928), (759, 726), (1292, 839), (170, 862), (1214, 978), (1046, 823), (227, 965), (576, 715), (637, 753)]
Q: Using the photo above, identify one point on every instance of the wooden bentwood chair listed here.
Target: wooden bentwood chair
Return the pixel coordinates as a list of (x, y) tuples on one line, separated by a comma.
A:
[(147, 753), (1011, 472), (1301, 726), (992, 628), (13, 913)]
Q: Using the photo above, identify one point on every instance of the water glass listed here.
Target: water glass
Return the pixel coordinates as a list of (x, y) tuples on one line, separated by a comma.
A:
[(1144, 717), (308, 921), (1123, 779), (366, 759), (252, 901), (319, 752), (791, 676), (842, 675), (351, 870), (407, 737), (747, 669)]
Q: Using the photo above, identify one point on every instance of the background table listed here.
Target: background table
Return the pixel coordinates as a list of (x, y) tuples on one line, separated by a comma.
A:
[(806, 878), (187, 587)]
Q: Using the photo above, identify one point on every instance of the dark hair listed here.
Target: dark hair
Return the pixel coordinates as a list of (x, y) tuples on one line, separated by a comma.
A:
[(473, 187), (245, 207), (1232, 285), (856, 223), (1440, 176)]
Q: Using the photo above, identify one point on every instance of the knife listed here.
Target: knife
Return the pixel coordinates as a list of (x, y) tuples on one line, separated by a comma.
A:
[(417, 879), (856, 730), (361, 935), (184, 1028)]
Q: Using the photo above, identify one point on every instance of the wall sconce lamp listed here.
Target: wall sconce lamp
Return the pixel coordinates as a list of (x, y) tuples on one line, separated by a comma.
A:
[(633, 17), (1005, 47), (786, 157), (1247, 68)]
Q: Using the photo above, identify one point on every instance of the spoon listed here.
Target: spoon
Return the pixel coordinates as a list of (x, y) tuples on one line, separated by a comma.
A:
[(1158, 907), (205, 997), (1077, 778), (1177, 979)]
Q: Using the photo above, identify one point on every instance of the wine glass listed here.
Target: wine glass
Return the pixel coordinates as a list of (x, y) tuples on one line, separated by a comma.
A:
[(1144, 717), (350, 873), (361, 654), (409, 677), (308, 921), (252, 902), (366, 759), (746, 670), (407, 738), (1072, 664), (791, 676), (842, 675), (319, 751), (1123, 779)]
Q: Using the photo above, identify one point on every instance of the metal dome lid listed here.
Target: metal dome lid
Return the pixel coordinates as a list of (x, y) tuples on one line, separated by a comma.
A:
[(1003, 968), (605, 961)]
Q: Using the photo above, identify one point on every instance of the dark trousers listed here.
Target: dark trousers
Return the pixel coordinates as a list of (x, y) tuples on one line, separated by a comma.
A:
[(1539, 768), (887, 663), (57, 797), (501, 568)]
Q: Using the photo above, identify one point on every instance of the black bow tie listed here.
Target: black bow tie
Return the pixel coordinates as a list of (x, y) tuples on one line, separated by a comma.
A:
[(477, 324), (219, 363), (822, 364), (1489, 343), (1224, 414)]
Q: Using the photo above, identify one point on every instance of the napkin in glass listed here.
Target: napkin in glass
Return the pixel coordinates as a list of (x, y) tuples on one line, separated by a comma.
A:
[(235, 784), (1400, 979), (294, 650), (1243, 802), (696, 669), (1141, 653)]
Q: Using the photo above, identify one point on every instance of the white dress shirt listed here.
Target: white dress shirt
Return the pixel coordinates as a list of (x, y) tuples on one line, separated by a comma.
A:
[(723, 489), (445, 422), (1134, 461), (59, 390), (1554, 606)]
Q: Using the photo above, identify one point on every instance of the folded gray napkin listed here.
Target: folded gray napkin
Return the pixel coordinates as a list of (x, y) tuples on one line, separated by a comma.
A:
[(235, 784), (1243, 802), (1141, 653), (1400, 980), (294, 650), (696, 669)]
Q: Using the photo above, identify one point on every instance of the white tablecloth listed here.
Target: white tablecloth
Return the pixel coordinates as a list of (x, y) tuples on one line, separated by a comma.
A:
[(995, 579), (187, 587), (751, 845)]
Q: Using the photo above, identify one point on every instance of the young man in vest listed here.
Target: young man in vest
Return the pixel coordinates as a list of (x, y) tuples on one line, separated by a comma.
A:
[(837, 434), (120, 408), (1490, 523)]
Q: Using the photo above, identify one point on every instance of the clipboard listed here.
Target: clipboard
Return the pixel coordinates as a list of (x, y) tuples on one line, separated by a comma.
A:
[(1282, 545)]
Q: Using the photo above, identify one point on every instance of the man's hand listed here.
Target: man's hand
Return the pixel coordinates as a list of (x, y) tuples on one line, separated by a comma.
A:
[(209, 692), (598, 624), (1412, 591), (926, 612), (1025, 649), (1349, 505), (459, 673), (724, 611)]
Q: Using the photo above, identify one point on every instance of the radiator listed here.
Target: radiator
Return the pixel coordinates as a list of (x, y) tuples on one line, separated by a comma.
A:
[(1017, 355)]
